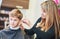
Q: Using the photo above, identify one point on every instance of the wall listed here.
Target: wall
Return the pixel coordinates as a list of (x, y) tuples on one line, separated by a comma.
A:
[(0, 2)]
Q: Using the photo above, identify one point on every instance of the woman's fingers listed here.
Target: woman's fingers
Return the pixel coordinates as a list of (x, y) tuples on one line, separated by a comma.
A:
[(26, 22), (21, 27)]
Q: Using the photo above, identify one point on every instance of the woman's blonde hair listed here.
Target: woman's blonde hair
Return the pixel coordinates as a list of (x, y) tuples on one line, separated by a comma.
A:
[(16, 13), (52, 17)]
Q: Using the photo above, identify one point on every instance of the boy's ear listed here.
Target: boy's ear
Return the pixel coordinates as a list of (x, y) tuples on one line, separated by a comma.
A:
[(20, 22)]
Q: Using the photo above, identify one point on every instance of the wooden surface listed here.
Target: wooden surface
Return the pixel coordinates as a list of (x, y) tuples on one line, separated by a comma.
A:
[(14, 3)]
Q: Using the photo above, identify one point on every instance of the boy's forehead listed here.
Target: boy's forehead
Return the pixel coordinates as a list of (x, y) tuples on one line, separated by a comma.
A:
[(13, 17)]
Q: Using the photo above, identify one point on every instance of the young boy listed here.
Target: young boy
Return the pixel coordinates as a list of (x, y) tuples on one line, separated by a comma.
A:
[(13, 32)]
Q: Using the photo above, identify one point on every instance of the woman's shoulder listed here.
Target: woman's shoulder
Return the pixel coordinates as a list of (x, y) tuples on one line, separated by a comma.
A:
[(39, 19)]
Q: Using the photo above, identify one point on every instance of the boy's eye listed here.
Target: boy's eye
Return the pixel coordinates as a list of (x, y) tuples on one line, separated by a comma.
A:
[(15, 20), (10, 19)]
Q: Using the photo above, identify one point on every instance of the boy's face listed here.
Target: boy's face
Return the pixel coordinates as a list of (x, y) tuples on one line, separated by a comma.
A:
[(14, 21)]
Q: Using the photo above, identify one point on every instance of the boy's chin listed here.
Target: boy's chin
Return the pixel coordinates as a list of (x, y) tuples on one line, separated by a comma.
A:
[(13, 26)]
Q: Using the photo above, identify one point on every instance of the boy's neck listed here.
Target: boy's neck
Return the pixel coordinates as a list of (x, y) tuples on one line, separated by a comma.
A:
[(16, 28)]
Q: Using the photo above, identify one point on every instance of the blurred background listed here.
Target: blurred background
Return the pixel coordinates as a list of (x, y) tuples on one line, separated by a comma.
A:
[(31, 10)]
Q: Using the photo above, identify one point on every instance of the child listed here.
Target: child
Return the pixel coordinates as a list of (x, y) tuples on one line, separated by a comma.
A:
[(13, 32)]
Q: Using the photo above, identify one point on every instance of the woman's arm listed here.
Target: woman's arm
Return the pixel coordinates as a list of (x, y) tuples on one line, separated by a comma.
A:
[(31, 31)]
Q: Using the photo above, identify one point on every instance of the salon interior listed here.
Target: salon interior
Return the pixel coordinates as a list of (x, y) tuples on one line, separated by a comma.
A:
[(30, 9)]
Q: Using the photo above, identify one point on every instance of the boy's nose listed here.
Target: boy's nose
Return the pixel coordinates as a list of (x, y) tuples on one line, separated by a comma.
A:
[(11, 21)]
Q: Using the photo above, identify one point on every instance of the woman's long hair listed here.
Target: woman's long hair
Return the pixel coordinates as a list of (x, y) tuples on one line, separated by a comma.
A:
[(52, 17)]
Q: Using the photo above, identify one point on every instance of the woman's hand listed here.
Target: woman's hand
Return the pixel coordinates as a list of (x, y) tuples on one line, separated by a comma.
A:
[(25, 24), (21, 27)]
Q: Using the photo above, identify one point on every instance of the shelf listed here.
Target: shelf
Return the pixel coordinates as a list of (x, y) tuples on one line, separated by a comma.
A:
[(4, 15), (2, 20), (2, 23), (1, 27)]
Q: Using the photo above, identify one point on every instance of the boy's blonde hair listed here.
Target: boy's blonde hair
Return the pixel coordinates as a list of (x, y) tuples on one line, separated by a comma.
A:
[(16, 13)]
